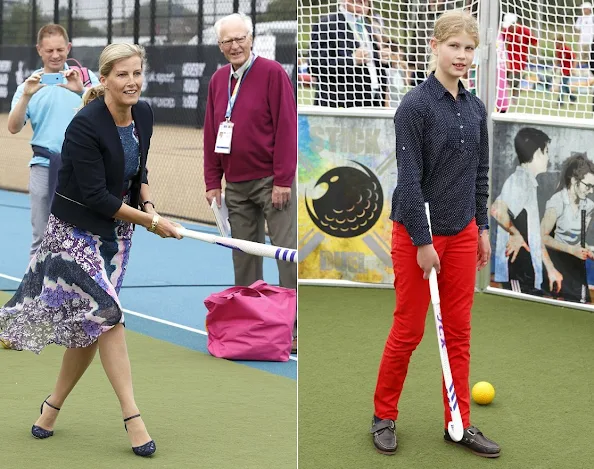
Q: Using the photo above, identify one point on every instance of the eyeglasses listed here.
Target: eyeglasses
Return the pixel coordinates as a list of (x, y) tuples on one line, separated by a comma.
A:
[(589, 187), (229, 42)]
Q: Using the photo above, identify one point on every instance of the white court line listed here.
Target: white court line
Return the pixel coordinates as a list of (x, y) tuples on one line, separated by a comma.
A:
[(145, 316)]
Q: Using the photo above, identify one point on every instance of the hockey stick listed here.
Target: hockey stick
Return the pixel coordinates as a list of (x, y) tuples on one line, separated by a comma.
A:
[(455, 426), (249, 247)]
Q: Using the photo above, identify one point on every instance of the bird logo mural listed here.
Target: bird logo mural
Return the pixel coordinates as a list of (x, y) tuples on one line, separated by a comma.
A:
[(351, 204)]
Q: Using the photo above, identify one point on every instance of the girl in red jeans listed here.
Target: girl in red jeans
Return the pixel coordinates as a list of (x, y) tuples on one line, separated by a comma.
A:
[(442, 153)]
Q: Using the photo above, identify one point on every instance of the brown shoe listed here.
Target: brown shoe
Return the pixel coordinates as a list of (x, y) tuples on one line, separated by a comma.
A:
[(474, 441), (294, 346), (384, 436)]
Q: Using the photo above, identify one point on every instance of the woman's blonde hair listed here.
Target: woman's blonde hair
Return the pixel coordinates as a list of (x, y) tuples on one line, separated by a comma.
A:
[(111, 54), (451, 23), (92, 93)]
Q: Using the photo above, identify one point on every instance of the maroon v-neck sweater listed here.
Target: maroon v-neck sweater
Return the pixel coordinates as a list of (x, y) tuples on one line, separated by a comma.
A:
[(265, 127)]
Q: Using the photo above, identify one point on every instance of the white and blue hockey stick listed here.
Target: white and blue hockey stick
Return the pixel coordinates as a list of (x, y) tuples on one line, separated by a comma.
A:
[(455, 426), (249, 247)]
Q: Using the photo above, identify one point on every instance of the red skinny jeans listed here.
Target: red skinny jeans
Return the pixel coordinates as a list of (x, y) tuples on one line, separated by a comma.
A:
[(458, 256)]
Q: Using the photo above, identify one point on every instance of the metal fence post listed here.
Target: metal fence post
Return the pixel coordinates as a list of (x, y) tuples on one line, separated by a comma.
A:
[(136, 21), (1, 22), (200, 20), (109, 21), (235, 6), (70, 20), (153, 26), (56, 11), (34, 21), (253, 15)]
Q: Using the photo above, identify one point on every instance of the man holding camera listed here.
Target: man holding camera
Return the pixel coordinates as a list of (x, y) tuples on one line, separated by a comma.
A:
[(50, 109)]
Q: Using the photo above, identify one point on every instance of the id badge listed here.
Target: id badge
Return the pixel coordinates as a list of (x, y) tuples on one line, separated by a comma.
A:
[(223, 143)]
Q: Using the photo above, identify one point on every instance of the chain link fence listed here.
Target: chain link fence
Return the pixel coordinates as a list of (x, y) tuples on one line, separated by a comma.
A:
[(182, 55)]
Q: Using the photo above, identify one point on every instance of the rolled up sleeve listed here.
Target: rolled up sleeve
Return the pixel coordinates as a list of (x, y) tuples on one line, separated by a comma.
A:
[(409, 124)]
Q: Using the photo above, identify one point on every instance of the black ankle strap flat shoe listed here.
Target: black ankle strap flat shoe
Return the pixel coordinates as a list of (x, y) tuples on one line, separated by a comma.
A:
[(145, 450)]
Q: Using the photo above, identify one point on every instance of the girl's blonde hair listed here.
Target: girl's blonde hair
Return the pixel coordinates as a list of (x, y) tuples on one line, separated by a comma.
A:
[(449, 24), (111, 54)]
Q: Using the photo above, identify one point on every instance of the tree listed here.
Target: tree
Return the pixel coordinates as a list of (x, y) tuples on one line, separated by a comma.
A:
[(175, 21), (279, 10), (17, 30)]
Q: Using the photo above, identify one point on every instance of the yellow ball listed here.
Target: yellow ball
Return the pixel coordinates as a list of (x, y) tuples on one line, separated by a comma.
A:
[(483, 393)]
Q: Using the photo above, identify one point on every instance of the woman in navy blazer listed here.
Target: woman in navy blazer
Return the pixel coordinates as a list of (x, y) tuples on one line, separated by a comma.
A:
[(69, 295)]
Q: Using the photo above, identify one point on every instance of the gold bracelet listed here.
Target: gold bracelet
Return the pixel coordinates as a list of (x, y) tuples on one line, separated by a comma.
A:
[(154, 223)]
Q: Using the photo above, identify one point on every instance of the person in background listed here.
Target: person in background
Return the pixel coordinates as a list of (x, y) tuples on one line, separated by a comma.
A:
[(397, 78), (346, 58), (564, 61), (49, 109), (518, 40), (250, 138), (584, 25)]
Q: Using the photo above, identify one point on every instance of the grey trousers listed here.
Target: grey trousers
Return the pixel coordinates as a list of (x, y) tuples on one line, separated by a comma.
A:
[(40, 203), (249, 204)]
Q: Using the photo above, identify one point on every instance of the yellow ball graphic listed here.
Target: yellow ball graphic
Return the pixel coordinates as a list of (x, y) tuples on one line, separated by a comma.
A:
[(483, 393)]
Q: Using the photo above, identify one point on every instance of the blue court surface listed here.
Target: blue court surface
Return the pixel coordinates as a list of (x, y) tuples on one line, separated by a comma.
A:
[(165, 285)]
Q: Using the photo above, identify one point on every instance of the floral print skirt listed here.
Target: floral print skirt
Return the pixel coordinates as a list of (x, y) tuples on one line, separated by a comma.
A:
[(69, 294)]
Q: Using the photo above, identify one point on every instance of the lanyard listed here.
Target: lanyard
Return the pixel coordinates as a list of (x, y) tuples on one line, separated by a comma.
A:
[(359, 32), (366, 41), (233, 97)]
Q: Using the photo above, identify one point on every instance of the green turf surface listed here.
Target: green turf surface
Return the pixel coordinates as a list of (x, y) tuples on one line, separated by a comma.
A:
[(201, 411), (539, 358)]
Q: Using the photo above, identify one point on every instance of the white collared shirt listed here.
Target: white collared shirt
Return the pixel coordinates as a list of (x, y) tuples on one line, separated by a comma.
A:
[(366, 42), (237, 74), (585, 25)]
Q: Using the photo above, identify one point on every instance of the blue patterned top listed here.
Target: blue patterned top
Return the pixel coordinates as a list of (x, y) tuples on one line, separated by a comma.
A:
[(129, 139)]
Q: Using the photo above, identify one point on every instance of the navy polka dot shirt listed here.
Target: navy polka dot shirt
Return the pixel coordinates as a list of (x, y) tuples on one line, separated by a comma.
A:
[(442, 154)]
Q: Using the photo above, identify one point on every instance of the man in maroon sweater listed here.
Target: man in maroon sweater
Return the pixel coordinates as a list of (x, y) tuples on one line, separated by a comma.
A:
[(250, 137)]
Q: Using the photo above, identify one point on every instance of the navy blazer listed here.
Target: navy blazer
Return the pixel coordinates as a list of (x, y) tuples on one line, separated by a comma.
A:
[(91, 181), (340, 81)]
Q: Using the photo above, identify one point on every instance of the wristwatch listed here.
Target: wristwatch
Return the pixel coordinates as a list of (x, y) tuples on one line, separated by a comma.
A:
[(482, 228), (142, 204)]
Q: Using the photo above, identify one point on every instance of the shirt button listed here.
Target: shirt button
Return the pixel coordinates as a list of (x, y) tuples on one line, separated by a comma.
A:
[(403, 148), (461, 126), (458, 114), (461, 141)]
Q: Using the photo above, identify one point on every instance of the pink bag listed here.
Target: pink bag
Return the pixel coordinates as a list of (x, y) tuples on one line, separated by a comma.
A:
[(251, 323)]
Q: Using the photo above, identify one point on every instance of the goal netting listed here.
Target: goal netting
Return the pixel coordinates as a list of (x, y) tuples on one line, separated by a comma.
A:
[(365, 53), (542, 50), (547, 46)]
